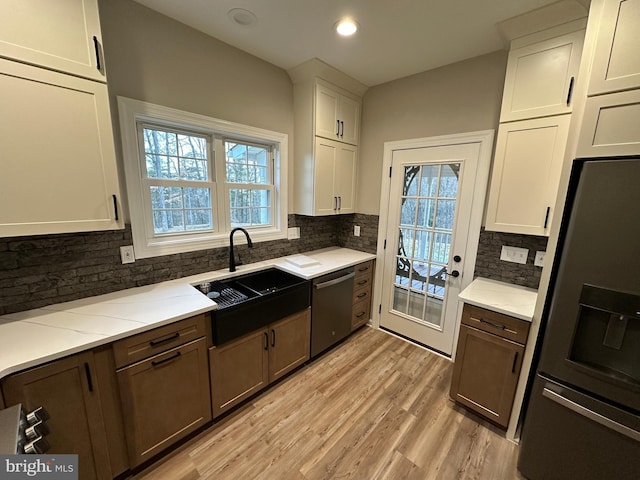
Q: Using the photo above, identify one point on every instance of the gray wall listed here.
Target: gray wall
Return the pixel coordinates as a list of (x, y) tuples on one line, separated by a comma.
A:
[(153, 58), (462, 97)]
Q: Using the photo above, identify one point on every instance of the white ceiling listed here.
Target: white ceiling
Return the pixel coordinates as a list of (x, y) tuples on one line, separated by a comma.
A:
[(396, 37)]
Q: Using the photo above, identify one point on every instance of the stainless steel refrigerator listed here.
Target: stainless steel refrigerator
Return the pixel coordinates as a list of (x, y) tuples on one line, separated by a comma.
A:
[(582, 419)]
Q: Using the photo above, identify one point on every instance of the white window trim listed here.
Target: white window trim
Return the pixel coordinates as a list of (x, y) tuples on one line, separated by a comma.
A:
[(145, 245)]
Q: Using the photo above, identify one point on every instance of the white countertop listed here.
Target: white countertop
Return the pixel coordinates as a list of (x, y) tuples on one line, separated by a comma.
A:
[(33, 337), (513, 300)]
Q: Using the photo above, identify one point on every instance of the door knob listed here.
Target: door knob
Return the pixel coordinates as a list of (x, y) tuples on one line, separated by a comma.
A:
[(454, 273), (457, 259)]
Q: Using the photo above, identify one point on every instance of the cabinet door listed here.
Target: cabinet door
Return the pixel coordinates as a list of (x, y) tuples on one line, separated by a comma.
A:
[(526, 173), (485, 374), (164, 398), (60, 35), (540, 78), (59, 169), (289, 344), (616, 62), (238, 370), (345, 177), (349, 116), (611, 125), (325, 201), (69, 393), (326, 112)]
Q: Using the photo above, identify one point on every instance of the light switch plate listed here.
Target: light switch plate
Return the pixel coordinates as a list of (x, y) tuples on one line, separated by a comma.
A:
[(127, 255), (539, 260), (514, 254), (356, 230)]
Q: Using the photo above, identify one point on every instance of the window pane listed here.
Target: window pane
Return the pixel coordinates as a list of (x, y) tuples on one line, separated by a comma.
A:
[(423, 244), (445, 215), (173, 156), (449, 181), (429, 180), (194, 169), (166, 197), (410, 187), (425, 213), (250, 207), (168, 221), (161, 166), (191, 146), (247, 163), (199, 219), (158, 141), (197, 198), (408, 212)]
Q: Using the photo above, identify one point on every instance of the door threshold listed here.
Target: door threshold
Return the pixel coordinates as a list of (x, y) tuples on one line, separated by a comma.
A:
[(415, 342)]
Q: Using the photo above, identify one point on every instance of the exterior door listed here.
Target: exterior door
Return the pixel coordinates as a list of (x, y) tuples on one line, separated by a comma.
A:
[(436, 195)]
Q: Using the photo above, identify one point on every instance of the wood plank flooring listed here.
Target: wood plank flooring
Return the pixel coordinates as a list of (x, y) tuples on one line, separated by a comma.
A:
[(376, 407)]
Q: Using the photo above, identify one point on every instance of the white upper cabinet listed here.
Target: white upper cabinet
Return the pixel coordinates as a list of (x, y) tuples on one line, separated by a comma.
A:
[(335, 177), (526, 174), (540, 78), (337, 115), (58, 159), (62, 35), (616, 62)]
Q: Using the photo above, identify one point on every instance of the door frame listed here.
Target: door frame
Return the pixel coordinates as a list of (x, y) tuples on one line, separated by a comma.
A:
[(485, 139)]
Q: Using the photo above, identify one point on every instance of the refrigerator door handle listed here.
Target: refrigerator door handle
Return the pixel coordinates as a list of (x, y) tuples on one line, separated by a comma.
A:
[(591, 415)]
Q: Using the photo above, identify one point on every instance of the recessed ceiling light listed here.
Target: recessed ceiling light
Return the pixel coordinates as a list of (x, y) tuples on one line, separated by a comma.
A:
[(242, 17), (346, 27)]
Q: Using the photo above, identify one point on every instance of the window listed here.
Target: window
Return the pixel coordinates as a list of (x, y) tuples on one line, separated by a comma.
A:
[(191, 179), (248, 175)]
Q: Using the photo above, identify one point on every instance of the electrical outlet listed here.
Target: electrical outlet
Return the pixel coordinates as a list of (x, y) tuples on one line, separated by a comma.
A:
[(356, 230), (293, 233), (127, 255), (539, 260), (514, 254)]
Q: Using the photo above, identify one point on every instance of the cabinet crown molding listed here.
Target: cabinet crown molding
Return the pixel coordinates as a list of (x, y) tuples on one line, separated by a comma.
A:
[(316, 68)]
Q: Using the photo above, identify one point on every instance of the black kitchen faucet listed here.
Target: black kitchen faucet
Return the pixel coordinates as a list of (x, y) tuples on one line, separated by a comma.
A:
[(232, 261)]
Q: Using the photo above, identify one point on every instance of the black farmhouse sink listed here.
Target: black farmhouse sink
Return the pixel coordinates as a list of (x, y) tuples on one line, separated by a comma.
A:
[(249, 302)]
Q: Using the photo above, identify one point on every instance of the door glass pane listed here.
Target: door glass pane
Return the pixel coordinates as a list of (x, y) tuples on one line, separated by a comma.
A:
[(427, 218)]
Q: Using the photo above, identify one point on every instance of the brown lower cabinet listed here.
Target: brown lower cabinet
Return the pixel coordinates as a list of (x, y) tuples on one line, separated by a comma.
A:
[(248, 364), (164, 397), (68, 391), (488, 362)]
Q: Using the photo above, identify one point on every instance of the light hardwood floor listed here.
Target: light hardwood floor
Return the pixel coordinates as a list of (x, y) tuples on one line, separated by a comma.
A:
[(375, 407)]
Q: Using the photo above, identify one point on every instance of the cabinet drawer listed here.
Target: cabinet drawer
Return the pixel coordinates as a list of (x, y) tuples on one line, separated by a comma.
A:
[(361, 314), (496, 323), (144, 345), (363, 270), (361, 294)]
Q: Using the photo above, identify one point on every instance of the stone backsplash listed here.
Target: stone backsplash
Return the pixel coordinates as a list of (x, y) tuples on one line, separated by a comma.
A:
[(42, 270), (489, 265)]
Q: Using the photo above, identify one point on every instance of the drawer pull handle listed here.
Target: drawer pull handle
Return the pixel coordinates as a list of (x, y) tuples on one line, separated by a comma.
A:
[(360, 314), (155, 363), (494, 325), (363, 269), (363, 282), (173, 336), (362, 295)]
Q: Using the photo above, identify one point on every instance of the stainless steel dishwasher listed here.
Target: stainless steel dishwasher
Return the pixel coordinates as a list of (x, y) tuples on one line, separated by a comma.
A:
[(331, 306)]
